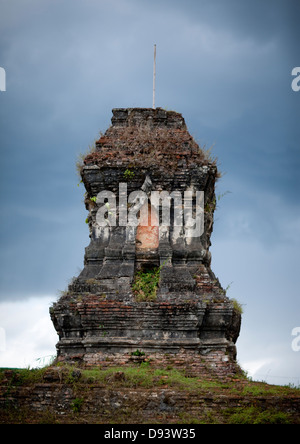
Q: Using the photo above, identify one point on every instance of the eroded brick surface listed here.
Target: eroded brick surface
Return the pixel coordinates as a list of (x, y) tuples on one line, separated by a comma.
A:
[(101, 318)]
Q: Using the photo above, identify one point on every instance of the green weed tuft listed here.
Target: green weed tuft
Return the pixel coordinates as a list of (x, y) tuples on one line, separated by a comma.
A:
[(146, 283)]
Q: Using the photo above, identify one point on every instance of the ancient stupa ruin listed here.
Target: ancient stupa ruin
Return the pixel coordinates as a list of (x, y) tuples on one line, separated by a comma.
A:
[(147, 291)]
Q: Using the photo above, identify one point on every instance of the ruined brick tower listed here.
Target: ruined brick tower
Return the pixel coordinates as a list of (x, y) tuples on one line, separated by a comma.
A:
[(147, 290)]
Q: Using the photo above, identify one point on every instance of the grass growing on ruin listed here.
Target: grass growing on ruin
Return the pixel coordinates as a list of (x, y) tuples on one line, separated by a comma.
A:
[(138, 375), (146, 376), (143, 375), (146, 283), (206, 400), (146, 147), (256, 415)]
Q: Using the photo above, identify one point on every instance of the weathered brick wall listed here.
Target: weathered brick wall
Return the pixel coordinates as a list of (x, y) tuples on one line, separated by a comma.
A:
[(92, 329), (100, 314), (213, 364)]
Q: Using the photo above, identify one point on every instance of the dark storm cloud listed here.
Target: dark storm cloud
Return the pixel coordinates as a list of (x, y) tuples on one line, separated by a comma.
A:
[(258, 19), (225, 65)]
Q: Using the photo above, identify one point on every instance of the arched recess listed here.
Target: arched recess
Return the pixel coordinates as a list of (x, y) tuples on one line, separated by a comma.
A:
[(147, 234)]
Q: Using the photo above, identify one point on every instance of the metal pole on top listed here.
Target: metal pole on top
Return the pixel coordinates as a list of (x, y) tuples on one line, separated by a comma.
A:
[(154, 75)]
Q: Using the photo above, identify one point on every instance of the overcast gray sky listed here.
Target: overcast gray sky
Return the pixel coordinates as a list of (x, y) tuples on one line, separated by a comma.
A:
[(226, 66)]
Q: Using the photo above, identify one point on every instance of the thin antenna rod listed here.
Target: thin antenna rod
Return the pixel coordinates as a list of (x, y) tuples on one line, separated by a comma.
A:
[(154, 75)]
